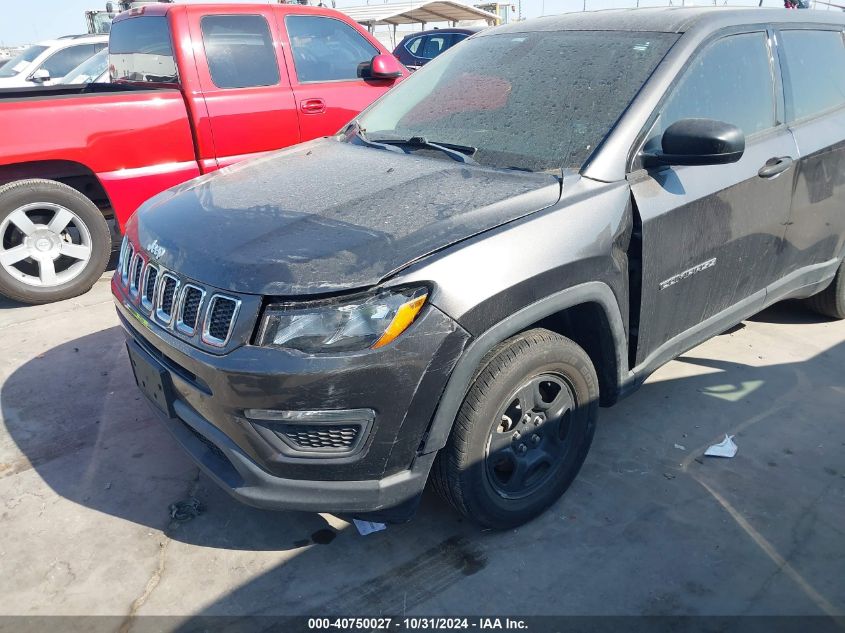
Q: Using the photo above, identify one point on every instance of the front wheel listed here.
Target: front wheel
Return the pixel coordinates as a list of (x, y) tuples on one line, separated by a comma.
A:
[(522, 432), (54, 242), (831, 301)]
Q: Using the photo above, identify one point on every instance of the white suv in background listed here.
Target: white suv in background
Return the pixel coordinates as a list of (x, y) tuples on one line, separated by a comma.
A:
[(47, 62)]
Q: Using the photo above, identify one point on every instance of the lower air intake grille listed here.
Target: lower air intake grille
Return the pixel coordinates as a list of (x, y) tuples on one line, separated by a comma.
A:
[(310, 437), (191, 307), (219, 319)]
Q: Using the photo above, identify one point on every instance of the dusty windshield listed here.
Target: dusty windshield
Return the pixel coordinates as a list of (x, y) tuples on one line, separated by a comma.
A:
[(536, 101)]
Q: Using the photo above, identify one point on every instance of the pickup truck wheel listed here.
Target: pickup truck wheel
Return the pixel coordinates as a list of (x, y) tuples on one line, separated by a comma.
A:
[(831, 301), (54, 242), (522, 432)]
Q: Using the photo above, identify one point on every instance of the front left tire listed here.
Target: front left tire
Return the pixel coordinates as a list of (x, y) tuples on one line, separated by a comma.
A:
[(522, 432)]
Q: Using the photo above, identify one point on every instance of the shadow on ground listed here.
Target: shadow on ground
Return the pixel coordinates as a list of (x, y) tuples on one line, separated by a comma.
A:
[(637, 511)]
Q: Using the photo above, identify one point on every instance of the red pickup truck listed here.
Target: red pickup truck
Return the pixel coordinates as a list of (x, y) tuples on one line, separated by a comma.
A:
[(196, 88)]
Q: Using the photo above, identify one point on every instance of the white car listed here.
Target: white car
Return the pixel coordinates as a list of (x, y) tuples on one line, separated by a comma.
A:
[(47, 62), (94, 70)]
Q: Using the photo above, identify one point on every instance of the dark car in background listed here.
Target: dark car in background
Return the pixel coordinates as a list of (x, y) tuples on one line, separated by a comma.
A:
[(451, 287), (417, 49)]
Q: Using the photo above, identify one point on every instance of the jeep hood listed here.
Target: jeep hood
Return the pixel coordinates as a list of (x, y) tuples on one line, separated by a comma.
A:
[(328, 216)]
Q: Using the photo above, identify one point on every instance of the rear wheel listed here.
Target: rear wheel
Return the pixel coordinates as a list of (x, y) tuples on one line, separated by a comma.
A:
[(831, 301), (523, 431), (54, 242)]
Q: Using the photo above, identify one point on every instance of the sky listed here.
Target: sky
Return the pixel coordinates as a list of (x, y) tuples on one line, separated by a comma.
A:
[(28, 21)]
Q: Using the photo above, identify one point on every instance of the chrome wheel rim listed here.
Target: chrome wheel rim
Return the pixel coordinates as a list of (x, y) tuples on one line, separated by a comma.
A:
[(43, 244)]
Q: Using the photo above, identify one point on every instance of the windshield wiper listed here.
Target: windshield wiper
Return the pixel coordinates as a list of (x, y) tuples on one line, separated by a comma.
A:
[(460, 153), (359, 134)]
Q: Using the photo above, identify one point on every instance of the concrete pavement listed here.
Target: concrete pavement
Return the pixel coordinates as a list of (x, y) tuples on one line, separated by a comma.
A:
[(649, 527)]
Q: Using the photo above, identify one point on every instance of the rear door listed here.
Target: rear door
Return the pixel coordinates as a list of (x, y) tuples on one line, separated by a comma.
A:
[(712, 235), (327, 56), (246, 89), (813, 64)]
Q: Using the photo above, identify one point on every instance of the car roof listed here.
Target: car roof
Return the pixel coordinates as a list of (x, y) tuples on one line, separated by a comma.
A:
[(469, 30), (76, 39), (669, 19)]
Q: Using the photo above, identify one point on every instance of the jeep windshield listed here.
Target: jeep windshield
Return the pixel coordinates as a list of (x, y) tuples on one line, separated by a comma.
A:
[(534, 101)]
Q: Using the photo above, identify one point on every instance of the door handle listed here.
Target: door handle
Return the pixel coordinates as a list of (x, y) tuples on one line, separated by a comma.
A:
[(775, 166), (312, 106)]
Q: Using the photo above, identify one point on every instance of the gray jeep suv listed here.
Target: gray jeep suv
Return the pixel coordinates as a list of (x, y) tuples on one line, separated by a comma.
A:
[(519, 233)]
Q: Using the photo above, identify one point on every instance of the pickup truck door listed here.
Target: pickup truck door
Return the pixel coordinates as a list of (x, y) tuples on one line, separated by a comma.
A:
[(712, 235), (326, 55), (814, 85), (247, 92)]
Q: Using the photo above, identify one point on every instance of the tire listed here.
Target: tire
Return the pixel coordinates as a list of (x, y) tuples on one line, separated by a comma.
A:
[(831, 301), (63, 232), (483, 471)]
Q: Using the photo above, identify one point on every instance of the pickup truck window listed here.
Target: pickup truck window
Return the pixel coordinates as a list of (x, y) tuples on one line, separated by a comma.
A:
[(140, 49), (730, 81), (239, 49), (62, 62), (534, 101), (815, 78), (326, 49)]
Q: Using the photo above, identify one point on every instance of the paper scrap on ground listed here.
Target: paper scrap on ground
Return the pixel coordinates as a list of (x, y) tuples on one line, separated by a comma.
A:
[(368, 527), (725, 448)]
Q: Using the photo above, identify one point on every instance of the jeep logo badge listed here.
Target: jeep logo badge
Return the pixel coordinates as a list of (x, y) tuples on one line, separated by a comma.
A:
[(155, 250)]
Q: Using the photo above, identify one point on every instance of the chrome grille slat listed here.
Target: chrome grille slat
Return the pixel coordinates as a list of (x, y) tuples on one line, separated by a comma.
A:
[(149, 287), (166, 300), (127, 261), (187, 309), (135, 270), (188, 312), (220, 316)]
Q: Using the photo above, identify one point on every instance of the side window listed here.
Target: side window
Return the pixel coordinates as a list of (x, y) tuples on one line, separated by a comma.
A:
[(434, 45), (815, 71), (456, 38), (413, 45), (326, 49), (730, 81), (239, 50), (62, 62)]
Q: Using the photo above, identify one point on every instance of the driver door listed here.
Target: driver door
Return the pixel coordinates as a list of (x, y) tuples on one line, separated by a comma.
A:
[(712, 236)]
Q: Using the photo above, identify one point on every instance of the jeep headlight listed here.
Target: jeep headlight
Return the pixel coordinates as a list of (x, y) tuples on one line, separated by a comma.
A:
[(341, 325)]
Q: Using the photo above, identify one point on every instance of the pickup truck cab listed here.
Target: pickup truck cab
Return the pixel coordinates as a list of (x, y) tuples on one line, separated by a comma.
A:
[(48, 62), (496, 248), (195, 88)]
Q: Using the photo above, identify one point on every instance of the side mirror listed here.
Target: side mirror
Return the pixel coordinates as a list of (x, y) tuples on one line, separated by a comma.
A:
[(381, 67), (699, 142), (40, 76)]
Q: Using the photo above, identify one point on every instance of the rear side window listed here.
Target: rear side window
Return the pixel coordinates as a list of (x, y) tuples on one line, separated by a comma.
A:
[(730, 81), (239, 49), (413, 45), (326, 49), (815, 71), (62, 62), (140, 50), (434, 45)]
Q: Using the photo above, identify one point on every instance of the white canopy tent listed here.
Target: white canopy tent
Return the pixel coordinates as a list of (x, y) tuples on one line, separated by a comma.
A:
[(396, 13)]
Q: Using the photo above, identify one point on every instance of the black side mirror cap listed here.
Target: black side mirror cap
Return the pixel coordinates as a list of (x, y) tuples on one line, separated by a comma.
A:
[(698, 142)]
